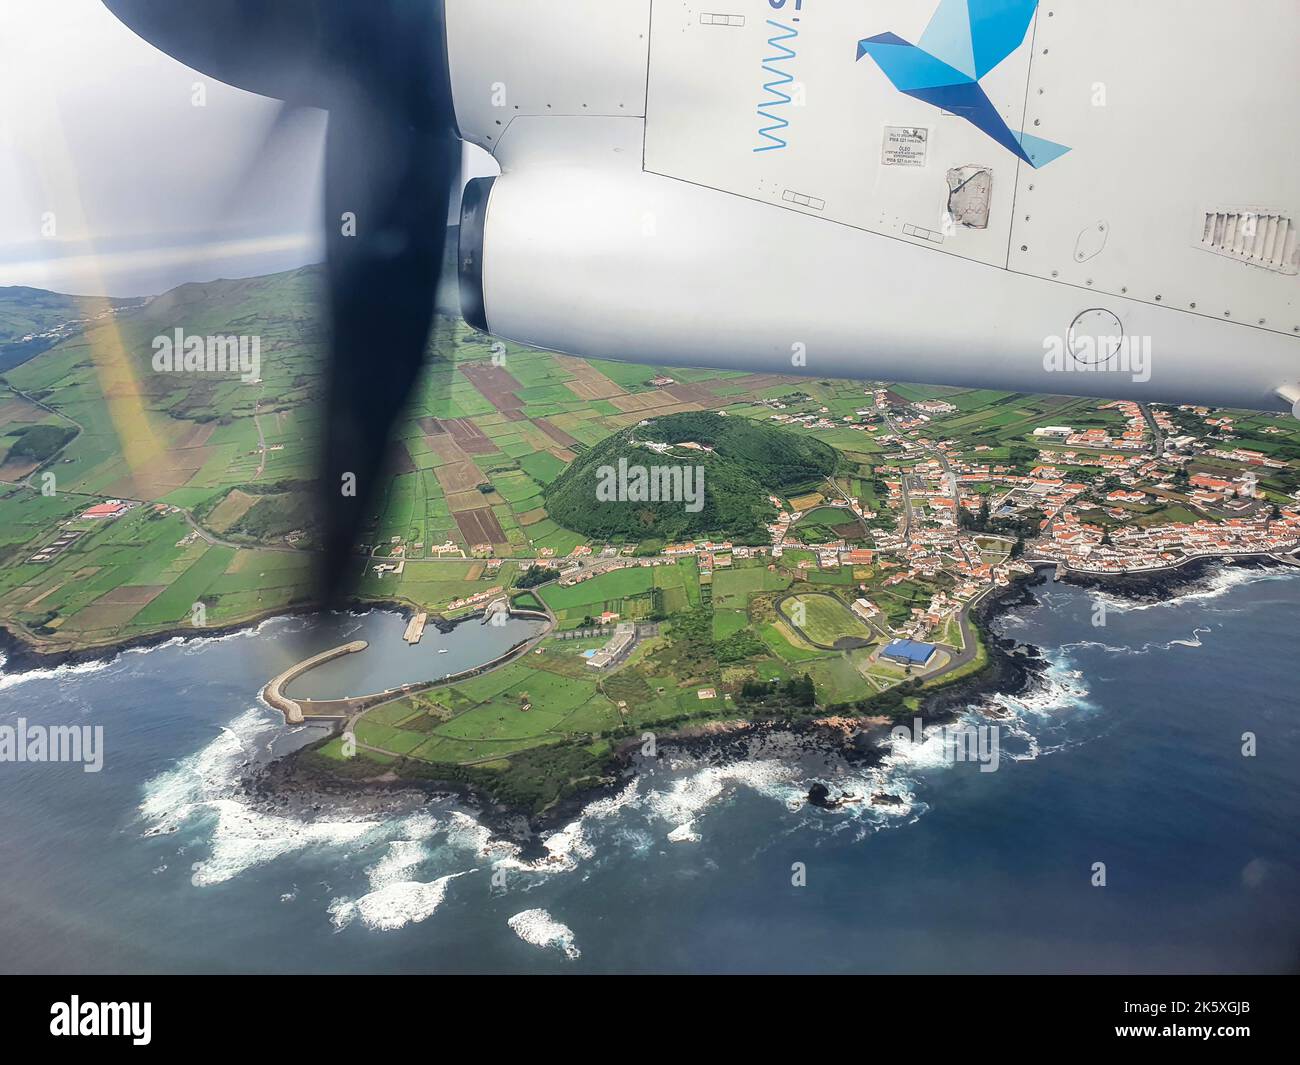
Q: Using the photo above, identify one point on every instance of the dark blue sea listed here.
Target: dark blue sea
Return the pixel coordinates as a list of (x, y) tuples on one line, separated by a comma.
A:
[(1126, 754)]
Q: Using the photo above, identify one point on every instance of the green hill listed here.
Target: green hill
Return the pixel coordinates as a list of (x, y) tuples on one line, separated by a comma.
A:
[(32, 310), (747, 462), (33, 320)]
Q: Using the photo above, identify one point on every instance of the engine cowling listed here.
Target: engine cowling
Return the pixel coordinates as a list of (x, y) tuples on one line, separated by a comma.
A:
[(576, 248), (513, 59), (473, 219)]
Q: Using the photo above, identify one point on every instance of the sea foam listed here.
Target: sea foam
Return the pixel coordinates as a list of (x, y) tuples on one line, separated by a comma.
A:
[(12, 680), (1215, 585), (542, 930), (202, 786), (393, 905)]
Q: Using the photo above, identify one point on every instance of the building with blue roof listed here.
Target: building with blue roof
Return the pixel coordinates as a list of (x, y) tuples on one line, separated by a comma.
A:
[(910, 653)]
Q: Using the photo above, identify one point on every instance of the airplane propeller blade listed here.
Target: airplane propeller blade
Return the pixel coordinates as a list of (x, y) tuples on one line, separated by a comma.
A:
[(278, 49), (392, 156), (395, 181)]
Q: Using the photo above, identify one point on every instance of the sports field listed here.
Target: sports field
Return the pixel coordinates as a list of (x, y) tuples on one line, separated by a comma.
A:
[(824, 619)]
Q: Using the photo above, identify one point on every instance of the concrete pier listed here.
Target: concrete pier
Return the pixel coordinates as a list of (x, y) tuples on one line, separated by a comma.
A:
[(295, 711), (415, 628), (345, 708)]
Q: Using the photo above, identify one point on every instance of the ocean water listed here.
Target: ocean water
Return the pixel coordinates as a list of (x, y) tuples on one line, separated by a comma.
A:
[(1128, 751)]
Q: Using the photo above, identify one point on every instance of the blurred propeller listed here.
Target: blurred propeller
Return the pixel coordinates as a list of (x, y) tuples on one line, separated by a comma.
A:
[(379, 67)]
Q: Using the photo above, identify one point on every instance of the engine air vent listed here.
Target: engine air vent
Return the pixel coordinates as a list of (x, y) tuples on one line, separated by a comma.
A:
[(1256, 237)]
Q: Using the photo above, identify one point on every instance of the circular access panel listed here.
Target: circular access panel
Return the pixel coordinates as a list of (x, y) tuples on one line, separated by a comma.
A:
[(1096, 337)]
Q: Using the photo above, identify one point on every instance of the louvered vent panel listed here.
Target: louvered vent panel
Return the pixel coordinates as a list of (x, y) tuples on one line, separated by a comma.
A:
[(1260, 238)]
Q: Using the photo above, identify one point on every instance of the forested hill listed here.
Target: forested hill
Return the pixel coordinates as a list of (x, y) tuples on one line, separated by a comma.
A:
[(745, 463)]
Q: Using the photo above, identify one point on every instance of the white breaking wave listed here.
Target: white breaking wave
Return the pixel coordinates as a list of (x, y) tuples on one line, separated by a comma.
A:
[(394, 905), (607, 807), (1217, 584), (192, 644), (565, 848), (682, 801), (396, 898), (243, 838), (684, 834), (1099, 646), (210, 773), (12, 680), (1059, 687), (1193, 641), (685, 801), (402, 857), (1057, 691), (203, 786), (542, 930), (416, 857)]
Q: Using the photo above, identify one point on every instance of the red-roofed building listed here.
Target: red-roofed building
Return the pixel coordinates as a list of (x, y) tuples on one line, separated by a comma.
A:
[(111, 509)]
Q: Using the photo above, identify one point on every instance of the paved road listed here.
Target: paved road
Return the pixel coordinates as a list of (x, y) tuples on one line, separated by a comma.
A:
[(955, 487), (1157, 438), (909, 517), (907, 499), (261, 440), (58, 414), (968, 638)]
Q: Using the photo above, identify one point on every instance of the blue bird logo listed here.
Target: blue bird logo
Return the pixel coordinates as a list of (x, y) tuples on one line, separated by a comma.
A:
[(964, 41)]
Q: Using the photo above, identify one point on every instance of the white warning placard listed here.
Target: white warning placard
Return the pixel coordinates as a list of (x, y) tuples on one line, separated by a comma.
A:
[(905, 146)]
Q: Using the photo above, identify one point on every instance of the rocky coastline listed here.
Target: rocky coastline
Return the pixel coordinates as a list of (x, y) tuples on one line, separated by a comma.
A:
[(18, 654), (826, 747)]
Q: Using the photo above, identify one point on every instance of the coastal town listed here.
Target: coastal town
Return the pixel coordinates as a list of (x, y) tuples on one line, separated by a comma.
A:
[(1155, 489), (1090, 493), (852, 536), (1091, 503)]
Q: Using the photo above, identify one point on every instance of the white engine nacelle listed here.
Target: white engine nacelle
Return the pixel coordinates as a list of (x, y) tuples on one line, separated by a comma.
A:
[(640, 215)]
